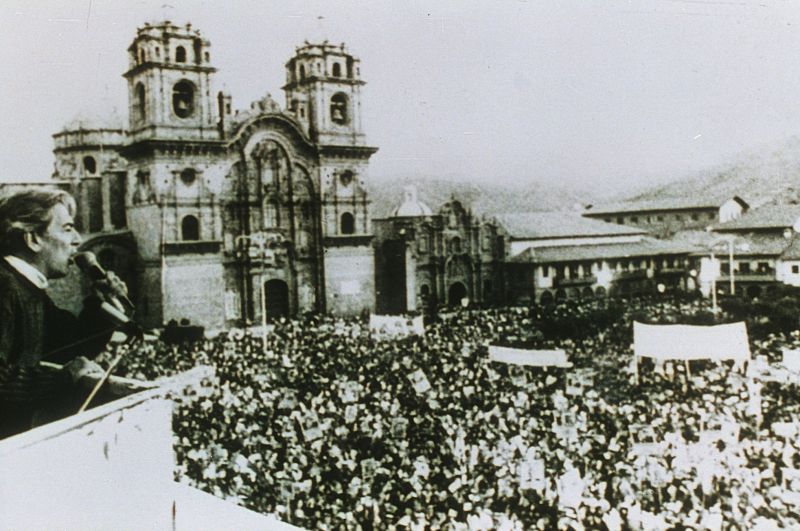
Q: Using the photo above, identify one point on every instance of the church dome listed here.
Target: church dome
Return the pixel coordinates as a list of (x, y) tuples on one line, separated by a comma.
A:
[(95, 120), (411, 206)]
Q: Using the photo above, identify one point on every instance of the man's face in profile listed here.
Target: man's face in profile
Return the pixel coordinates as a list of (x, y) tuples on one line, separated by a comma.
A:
[(58, 243)]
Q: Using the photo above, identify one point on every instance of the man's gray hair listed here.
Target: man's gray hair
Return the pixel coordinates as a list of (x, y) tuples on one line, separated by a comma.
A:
[(28, 210)]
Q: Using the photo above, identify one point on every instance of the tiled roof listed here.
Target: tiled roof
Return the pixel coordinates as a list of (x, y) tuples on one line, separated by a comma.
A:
[(667, 203), (572, 253), (543, 225), (766, 217), (749, 245)]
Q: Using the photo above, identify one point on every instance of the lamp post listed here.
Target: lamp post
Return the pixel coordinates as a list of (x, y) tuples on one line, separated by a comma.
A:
[(729, 240)]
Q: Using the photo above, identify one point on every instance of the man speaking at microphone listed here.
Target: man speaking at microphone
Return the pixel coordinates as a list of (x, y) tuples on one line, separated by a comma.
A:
[(37, 240)]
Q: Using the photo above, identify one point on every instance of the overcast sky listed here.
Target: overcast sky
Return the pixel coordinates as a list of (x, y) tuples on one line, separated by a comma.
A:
[(597, 92)]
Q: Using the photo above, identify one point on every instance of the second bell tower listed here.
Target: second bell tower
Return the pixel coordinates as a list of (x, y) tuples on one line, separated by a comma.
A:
[(323, 91)]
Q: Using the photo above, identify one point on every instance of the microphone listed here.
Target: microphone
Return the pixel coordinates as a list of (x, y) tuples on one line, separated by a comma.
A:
[(87, 262)]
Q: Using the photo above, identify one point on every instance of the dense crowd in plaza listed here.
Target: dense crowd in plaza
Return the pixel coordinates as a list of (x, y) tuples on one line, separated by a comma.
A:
[(329, 427)]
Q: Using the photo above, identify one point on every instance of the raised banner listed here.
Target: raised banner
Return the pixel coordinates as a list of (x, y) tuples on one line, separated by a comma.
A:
[(791, 359), (396, 325), (535, 358), (689, 342)]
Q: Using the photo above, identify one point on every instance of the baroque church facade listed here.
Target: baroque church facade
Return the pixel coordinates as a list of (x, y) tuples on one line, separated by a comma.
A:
[(228, 217)]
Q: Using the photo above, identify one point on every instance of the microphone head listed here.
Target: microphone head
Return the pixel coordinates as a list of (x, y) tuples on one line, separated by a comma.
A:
[(87, 262), (84, 260)]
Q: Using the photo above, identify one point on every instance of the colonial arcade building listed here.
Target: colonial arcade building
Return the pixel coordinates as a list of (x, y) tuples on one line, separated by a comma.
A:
[(223, 216)]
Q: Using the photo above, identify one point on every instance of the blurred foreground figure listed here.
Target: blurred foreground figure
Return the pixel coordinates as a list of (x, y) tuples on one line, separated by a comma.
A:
[(37, 240)]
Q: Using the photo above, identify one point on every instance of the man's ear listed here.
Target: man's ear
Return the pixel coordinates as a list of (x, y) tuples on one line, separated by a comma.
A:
[(33, 241)]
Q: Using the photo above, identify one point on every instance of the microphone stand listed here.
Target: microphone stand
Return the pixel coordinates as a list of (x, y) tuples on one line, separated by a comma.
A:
[(132, 340)]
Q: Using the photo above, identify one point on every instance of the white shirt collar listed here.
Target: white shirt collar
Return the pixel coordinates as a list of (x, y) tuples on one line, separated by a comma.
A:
[(27, 271)]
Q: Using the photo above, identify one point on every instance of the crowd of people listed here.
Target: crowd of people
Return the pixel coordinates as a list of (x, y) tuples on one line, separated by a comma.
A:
[(330, 427)]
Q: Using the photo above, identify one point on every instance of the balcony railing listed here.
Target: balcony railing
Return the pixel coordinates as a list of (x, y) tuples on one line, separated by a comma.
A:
[(111, 467), (560, 281), (630, 275), (752, 276)]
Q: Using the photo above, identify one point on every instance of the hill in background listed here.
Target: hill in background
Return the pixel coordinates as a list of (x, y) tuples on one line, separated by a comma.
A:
[(771, 176), (767, 176), (482, 198)]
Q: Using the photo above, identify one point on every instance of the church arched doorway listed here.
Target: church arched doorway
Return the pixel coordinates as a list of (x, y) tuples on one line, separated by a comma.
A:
[(277, 299), (456, 292)]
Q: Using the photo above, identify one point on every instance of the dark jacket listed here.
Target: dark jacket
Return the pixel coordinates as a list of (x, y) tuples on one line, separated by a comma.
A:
[(34, 329)]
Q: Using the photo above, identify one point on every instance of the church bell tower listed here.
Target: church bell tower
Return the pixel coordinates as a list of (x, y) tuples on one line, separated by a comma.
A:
[(323, 91), (169, 84)]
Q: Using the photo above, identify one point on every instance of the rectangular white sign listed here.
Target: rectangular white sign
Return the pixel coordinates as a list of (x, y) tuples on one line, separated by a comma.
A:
[(689, 342), (535, 358)]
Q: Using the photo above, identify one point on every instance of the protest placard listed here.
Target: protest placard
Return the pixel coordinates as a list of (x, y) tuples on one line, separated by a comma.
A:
[(534, 358), (349, 391), (393, 326), (419, 381)]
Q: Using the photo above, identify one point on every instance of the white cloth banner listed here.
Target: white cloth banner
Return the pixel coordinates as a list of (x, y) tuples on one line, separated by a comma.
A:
[(396, 325), (689, 342), (537, 358), (791, 359)]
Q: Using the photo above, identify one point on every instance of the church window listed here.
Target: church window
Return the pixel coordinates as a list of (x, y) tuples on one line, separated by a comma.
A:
[(350, 67), (198, 52), (158, 51), (305, 209), (270, 214), (339, 108), (140, 109), (455, 245), (302, 72), (346, 178), (207, 57), (348, 223), (190, 228), (142, 55), (183, 99), (188, 176), (337, 70), (180, 54), (795, 269), (89, 165), (422, 245)]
